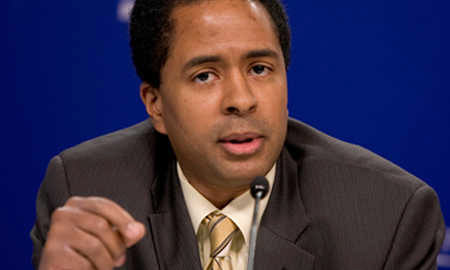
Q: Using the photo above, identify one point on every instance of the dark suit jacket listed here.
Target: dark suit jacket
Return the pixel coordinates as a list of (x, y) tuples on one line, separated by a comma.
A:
[(333, 206)]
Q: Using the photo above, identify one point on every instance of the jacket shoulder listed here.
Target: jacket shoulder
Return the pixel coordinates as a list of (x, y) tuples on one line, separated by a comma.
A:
[(117, 142), (106, 165), (363, 205), (312, 147)]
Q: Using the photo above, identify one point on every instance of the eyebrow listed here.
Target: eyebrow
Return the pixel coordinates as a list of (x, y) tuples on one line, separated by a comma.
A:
[(261, 53), (199, 60)]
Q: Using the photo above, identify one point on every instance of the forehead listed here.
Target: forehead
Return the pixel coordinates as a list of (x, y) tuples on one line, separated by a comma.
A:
[(211, 26)]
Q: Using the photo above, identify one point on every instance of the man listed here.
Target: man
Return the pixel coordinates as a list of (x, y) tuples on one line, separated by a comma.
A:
[(156, 195)]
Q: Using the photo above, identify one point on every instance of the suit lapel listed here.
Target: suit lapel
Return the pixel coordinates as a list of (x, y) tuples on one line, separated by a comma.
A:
[(170, 225), (283, 226), (284, 223)]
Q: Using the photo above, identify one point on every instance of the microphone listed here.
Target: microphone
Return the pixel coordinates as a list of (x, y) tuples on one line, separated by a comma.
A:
[(258, 189)]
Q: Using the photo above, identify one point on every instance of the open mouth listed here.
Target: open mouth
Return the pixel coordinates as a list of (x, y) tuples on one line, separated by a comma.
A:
[(241, 144), (241, 141)]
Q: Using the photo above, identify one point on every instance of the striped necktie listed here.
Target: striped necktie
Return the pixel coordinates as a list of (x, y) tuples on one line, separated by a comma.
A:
[(221, 231)]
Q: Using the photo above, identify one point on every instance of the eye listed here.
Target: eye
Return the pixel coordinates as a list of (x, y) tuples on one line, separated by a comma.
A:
[(204, 77), (259, 70)]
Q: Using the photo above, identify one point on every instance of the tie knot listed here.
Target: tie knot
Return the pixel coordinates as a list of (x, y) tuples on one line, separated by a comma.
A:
[(221, 230)]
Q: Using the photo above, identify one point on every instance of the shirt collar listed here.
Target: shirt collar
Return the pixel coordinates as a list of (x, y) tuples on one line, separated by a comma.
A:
[(239, 210)]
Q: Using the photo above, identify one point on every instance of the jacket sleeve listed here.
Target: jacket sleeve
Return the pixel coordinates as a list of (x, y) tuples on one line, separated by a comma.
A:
[(419, 234), (53, 193)]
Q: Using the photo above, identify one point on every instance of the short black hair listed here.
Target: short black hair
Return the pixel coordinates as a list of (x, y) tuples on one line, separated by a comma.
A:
[(151, 27)]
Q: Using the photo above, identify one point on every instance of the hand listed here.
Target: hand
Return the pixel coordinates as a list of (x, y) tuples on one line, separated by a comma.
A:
[(89, 233)]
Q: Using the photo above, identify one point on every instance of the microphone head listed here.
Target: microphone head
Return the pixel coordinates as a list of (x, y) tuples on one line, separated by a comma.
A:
[(259, 187)]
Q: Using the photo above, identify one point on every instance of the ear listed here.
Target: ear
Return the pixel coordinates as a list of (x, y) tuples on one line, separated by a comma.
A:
[(151, 97)]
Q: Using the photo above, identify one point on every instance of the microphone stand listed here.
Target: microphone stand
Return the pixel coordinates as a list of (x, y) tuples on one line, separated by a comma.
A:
[(258, 190), (252, 246)]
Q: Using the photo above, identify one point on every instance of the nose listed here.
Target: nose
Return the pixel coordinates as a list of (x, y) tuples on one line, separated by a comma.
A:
[(238, 98)]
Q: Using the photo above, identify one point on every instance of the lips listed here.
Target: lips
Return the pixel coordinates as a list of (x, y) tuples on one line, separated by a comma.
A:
[(241, 144)]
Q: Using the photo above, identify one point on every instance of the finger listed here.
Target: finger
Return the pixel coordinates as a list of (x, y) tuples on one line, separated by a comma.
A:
[(100, 228), (56, 257), (91, 248), (131, 230), (76, 259)]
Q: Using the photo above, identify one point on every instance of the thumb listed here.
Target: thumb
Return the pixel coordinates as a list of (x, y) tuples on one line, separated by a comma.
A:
[(133, 233)]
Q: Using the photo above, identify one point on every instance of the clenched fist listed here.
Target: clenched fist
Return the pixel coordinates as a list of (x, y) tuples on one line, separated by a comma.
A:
[(89, 233)]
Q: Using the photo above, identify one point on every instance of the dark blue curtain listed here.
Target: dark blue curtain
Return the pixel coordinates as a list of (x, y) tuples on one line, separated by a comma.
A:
[(375, 73)]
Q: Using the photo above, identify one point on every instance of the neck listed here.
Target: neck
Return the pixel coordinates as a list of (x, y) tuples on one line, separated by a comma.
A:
[(219, 196)]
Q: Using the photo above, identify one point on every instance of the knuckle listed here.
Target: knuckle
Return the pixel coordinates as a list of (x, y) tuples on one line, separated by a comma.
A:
[(101, 224), (64, 214), (96, 199), (95, 246), (102, 206), (95, 204), (58, 214), (74, 200)]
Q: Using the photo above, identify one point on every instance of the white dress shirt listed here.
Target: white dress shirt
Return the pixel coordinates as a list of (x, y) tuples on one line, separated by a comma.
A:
[(239, 210)]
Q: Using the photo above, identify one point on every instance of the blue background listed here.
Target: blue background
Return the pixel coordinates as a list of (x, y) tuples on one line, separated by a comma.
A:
[(375, 73)]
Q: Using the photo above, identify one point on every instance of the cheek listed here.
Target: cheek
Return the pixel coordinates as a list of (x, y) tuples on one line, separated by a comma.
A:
[(275, 99), (190, 113), (283, 94)]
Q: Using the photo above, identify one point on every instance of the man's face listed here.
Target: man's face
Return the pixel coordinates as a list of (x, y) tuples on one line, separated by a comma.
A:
[(223, 95)]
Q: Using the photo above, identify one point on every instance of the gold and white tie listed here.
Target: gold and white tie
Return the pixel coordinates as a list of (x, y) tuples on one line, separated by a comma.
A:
[(221, 231)]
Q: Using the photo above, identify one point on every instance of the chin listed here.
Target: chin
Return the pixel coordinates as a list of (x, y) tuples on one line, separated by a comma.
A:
[(243, 175)]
